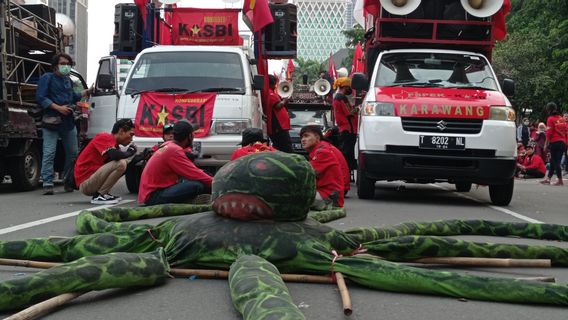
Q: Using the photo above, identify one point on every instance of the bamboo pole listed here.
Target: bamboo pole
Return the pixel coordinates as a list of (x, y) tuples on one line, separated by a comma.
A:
[(345, 298), (486, 262), (44, 307)]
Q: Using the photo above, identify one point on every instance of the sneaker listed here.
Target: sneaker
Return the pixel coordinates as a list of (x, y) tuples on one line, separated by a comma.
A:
[(100, 199), (545, 181), (48, 190), (203, 198), (558, 183), (111, 197)]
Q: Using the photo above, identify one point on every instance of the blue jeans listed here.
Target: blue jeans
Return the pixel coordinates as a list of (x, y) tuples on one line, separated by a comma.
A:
[(180, 192), (50, 137)]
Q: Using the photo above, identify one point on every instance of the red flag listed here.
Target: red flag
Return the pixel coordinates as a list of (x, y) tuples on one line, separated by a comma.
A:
[(331, 70), (357, 64), (499, 26), (141, 4), (371, 7), (290, 69), (258, 13)]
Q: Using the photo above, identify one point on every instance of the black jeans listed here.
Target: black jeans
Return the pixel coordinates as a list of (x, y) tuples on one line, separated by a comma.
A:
[(347, 142), (281, 141), (557, 149), (533, 173), (180, 192)]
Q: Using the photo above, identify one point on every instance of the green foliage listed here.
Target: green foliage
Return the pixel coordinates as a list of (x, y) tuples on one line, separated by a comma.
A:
[(353, 36), (535, 54), (310, 67)]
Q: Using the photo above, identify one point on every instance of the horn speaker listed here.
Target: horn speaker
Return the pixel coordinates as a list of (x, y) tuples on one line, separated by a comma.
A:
[(482, 8), (285, 89), (400, 7), (322, 87)]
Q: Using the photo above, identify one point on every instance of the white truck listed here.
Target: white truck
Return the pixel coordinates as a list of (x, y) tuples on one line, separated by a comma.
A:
[(228, 71)]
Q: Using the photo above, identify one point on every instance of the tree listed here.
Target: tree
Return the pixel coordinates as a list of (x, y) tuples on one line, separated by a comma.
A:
[(311, 68), (354, 35)]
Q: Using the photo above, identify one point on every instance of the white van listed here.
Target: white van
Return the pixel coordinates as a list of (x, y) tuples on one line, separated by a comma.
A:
[(228, 71)]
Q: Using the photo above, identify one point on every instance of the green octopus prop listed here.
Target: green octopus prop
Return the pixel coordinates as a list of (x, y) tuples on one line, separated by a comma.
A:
[(273, 223)]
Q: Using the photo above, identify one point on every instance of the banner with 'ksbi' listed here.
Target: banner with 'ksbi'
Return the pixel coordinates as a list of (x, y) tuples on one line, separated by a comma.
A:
[(192, 26), (156, 109)]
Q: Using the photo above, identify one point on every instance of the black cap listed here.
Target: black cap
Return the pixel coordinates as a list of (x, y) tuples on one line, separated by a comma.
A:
[(252, 135), (182, 128)]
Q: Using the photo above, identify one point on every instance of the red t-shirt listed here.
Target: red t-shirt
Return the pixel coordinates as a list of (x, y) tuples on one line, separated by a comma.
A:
[(278, 119), (535, 162), (165, 168), (257, 147), (346, 121), (342, 165), (93, 156), (329, 180), (556, 129)]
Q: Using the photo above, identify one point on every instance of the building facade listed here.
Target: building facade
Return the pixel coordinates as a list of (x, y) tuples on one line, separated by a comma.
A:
[(78, 47), (320, 23)]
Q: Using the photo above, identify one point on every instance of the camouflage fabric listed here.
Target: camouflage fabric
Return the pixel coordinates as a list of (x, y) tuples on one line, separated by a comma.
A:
[(210, 240), (258, 292), (265, 185), (115, 270)]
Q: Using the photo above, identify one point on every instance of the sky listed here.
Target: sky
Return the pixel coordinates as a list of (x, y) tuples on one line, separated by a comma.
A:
[(101, 28)]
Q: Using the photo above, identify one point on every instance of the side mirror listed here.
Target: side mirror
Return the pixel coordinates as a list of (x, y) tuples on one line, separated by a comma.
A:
[(105, 81), (359, 81), (253, 61), (258, 82), (508, 87)]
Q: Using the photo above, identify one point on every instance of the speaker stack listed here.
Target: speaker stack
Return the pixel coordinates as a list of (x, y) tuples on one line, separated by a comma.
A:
[(127, 28), (280, 38)]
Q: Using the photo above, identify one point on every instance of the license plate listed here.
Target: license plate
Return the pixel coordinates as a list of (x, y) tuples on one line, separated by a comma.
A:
[(441, 142), (297, 146)]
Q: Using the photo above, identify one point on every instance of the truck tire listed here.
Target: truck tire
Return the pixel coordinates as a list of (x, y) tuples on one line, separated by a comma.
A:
[(25, 170), (365, 186), (132, 177), (463, 186), (501, 194)]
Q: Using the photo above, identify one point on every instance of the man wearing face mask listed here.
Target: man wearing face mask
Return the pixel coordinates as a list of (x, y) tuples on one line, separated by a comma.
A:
[(347, 118), (523, 133), (56, 96)]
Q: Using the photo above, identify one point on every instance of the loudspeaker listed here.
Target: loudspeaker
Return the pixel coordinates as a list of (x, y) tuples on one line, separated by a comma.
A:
[(280, 37), (127, 28), (42, 11)]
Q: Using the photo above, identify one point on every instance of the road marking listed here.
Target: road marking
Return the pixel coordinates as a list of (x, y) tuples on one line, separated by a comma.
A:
[(55, 218), (500, 209)]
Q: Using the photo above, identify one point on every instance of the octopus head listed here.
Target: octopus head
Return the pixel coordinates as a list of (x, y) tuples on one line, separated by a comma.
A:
[(265, 186)]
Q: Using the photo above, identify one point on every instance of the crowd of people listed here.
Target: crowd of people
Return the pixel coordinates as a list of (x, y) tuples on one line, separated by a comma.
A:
[(542, 151)]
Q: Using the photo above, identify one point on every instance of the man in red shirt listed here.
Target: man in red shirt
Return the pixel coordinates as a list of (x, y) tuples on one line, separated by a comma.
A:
[(342, 165), (329, 180), (102, 163), (278, 124), (253, 141), (347, 119), (169, 176), (533, 166)]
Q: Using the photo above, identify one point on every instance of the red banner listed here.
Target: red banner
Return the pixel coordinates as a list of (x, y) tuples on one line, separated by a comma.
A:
[(192, 26), (156, 109)]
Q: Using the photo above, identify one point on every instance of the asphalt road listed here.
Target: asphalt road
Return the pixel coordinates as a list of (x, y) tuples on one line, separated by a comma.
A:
[(29, 214)]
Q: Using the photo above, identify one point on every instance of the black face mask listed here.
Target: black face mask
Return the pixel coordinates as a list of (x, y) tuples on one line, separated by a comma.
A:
[(348, 92)]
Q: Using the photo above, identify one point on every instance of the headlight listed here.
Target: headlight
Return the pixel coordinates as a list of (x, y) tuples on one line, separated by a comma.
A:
[(378, 109), (502, 113), (231, 126)]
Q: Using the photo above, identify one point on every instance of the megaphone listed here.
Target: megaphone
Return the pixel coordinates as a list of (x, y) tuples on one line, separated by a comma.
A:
[(322, 87), (400, 7), (482, 8), (285, 89)]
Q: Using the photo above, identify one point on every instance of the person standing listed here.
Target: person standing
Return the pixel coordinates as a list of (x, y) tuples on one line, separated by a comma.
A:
[(329, 179), (523, 132), (56, 97), (102, 163), (347, 119), (556, 132), (539, 139), (170, 177), (278, 124)]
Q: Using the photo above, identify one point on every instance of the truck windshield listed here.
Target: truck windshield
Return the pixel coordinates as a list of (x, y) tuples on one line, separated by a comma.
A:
[(188, 71), (444, 70)]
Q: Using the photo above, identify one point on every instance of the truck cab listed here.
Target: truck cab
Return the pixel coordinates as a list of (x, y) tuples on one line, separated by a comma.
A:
[(432, 112)]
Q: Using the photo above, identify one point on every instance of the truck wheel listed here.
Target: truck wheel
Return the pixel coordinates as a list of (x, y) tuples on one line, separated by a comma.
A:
[(501, 194), (132, 177), (365, 186), (25, 170), (463, 186)]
